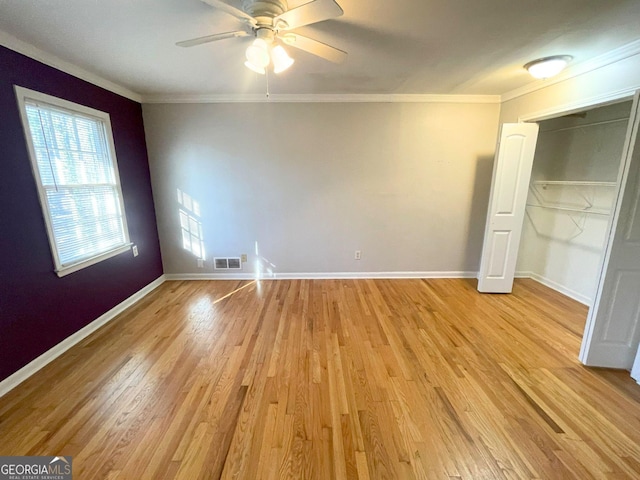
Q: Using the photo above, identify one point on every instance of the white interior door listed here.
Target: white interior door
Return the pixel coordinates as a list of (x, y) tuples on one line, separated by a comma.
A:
[(635, 370), (612, 332), (510, 185)]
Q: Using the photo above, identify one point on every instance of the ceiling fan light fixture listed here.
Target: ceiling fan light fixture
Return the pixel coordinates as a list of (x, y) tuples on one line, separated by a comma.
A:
[(281, 59), (270, 22), (548, 67), (255, 68), (258, 54)]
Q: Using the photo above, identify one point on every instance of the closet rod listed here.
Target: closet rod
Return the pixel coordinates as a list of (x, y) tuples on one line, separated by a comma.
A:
[(604, 122), (566, 209)]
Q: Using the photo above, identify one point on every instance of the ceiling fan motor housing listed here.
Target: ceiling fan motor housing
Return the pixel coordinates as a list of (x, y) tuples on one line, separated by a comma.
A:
[(265, 33), (265, 8)]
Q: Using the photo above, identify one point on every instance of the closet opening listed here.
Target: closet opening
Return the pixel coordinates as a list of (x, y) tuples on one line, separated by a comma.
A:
[(572, 193), (564, 210)]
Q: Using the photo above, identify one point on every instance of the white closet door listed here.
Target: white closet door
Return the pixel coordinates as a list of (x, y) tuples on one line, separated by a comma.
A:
[(511, 174), (612, 332), (635, 370)]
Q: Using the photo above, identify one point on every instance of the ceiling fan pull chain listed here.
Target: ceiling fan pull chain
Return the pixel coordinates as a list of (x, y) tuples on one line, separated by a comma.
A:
[(267, 78)]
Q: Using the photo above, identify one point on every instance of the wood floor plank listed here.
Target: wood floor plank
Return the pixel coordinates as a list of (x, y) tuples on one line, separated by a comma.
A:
[(332, 379)]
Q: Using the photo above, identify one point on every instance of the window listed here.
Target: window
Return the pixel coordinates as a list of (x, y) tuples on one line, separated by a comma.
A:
[(74, 165)]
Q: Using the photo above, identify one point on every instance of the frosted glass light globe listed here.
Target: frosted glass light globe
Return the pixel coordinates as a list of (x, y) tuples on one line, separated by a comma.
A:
[(548, 67)]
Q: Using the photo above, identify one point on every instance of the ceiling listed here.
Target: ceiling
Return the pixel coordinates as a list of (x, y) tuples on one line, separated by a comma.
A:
[(395, 47)]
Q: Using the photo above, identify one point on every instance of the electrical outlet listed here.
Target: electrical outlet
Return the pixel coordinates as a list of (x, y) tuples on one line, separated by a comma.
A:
[(358, 255), (243, 258), (200, 263), (135, 250)]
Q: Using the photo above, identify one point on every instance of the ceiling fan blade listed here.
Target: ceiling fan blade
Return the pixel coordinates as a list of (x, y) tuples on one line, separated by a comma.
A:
[(314, 47), (212, 38), (231, 10), (312, 12)]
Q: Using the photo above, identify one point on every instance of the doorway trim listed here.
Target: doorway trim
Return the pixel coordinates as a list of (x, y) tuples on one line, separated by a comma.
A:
[(603, 100)]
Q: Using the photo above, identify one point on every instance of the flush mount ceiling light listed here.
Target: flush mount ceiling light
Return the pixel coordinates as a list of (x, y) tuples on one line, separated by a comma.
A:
[(548, 67)]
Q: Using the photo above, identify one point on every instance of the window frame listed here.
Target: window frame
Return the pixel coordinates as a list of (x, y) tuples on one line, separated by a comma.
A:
[(24, 95)]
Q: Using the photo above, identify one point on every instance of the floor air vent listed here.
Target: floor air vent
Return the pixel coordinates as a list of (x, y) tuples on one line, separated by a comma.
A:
[(227, 263)]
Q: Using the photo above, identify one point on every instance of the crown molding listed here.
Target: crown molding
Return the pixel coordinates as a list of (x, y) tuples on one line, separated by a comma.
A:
[(322, 98), (613, 56), (616, 55), (35, 53)]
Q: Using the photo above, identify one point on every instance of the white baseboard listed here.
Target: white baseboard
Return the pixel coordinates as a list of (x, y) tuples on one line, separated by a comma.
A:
[(523, 274), (365, 275), (209, 276), (317, 276), (32, 367), (578, 297)]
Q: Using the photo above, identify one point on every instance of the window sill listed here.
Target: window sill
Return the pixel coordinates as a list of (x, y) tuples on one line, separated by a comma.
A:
[(67, 269)]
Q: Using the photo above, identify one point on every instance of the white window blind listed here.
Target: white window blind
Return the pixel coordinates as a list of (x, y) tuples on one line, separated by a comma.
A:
[(78, 181)]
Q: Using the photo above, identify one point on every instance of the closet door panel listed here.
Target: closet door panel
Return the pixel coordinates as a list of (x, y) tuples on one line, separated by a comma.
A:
[(511, 174), (612, 332)]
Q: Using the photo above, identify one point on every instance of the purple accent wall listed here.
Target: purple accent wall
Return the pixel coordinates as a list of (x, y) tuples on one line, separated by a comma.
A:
[(37, 308)]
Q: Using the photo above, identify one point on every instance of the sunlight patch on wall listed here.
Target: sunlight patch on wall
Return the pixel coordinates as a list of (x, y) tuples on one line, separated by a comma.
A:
[(191, 226), (263, 266)]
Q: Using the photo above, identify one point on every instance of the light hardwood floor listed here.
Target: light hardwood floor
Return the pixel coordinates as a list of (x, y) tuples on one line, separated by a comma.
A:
[(323, 379)]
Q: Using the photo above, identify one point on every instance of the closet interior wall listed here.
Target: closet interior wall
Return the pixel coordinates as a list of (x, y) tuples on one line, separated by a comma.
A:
[(572, 189)]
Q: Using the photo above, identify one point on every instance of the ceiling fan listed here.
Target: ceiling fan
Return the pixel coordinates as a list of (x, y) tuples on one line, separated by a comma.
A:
[(271, 22)]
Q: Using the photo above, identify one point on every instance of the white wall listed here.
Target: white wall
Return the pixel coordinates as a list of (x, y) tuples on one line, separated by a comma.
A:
[(571, 263), (407, 184), (562, 254)]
